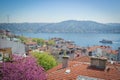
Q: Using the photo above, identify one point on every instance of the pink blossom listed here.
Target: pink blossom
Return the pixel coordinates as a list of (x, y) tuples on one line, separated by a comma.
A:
[(22, 69)]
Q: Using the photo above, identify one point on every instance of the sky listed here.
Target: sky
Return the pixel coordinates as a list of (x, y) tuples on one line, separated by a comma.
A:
[(19, 11)]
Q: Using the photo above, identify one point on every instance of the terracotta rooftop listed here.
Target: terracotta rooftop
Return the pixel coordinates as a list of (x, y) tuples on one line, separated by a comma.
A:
[(78, 67), (82, 59), (2, 31), (104, 48), (31, 43)]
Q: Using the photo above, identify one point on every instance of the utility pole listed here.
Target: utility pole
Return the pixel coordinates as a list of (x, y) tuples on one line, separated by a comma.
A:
[(8, 18)]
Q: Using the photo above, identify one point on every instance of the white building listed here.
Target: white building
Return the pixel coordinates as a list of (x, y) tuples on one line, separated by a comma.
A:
[(17, 47)]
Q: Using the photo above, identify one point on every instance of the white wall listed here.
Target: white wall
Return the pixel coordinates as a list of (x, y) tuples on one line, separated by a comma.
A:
[(17, 47)]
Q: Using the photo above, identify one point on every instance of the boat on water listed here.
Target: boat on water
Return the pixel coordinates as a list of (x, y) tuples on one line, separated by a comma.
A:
[(106, 41)]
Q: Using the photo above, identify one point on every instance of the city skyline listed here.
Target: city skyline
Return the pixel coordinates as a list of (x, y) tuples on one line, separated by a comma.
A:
[(104, 11)]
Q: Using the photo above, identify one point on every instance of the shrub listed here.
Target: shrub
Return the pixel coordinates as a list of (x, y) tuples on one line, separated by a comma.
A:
[(22, 69), (39, 41), (23, 39), (45, 60), (51, 42), (6, 59)]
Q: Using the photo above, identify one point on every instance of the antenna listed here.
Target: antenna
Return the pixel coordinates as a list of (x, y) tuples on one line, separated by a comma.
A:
[(8, 18)]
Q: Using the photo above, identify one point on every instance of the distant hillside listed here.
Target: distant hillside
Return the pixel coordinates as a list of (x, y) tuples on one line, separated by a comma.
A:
[(65, 26)]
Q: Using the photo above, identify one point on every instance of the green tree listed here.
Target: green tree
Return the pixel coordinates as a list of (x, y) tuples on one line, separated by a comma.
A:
[(23, 39), (39, 41), (51, 42), (44, 59)]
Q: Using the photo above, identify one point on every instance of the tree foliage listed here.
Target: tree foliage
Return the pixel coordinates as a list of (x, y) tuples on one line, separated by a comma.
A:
[(46, 60), (39, 41), (51, 42), (22, 69), (23, 39)]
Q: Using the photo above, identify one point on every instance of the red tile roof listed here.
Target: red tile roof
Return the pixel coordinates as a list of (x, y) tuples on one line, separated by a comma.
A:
[(104, 48), (31, 43), (82, 68), (82, 59)]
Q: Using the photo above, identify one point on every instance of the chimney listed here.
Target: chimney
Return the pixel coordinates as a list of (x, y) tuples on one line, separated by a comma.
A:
[(98, 63), (65, 61), (90, 53), (118, 55)]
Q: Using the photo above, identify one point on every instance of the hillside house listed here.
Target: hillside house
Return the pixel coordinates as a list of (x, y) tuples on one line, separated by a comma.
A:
[(5, 53), (2, 34), (101, 51), (31, 45), (16, 47)]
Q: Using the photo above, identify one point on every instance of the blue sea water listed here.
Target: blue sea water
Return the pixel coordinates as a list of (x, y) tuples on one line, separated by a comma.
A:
[(81, 39)]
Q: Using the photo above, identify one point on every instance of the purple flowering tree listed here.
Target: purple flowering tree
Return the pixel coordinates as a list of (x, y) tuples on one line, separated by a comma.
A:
[(22, 69)]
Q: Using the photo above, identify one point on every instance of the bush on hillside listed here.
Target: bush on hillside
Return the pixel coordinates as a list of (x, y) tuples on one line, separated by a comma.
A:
[(39, 41), (23, 39), (51, 42), (45, 60)]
